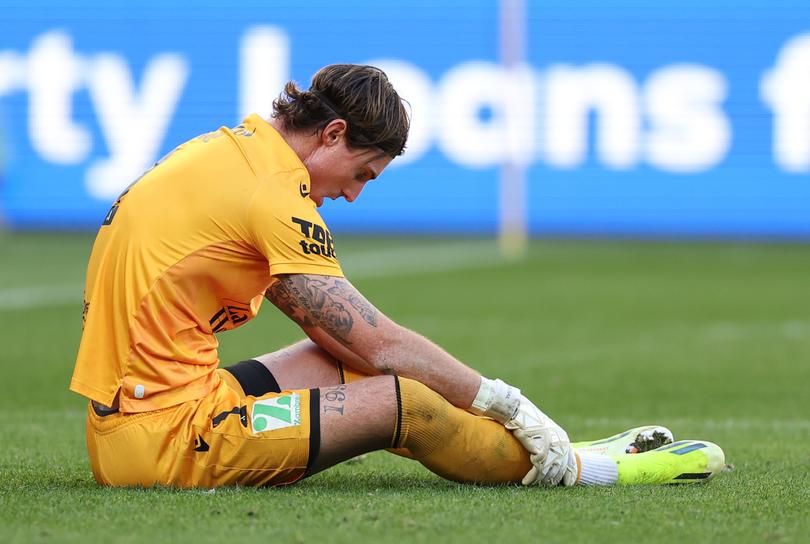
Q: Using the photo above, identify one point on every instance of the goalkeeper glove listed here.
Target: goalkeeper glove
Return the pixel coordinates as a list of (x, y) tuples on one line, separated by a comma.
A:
[(553, 457), (547, 443)]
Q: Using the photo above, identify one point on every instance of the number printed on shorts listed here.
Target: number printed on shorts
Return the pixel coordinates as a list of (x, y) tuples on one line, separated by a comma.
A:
[(276, 413)]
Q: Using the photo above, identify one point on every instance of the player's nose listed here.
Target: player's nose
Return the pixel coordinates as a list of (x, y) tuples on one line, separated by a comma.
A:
[(351, 195)]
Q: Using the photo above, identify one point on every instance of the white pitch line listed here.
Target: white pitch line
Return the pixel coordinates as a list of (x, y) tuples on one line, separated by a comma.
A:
[(421, 259), (366, 264), (37, 296)]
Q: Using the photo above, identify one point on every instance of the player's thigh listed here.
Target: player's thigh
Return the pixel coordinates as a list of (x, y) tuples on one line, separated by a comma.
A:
[(302, 365), (305, 365), (356, 418)]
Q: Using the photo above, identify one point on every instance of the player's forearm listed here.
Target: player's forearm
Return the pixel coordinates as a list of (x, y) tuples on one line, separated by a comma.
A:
[(405, 353), (339, 319), (393, 349), (339, 351)]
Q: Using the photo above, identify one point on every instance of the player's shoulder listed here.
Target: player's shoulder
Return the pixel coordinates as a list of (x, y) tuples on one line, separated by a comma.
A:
[(284, 195), (267, 151)]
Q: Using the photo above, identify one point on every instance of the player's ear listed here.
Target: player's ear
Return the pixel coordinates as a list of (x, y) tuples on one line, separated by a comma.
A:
[(333, 132)]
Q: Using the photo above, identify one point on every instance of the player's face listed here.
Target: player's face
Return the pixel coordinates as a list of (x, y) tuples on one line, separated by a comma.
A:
[(336, 170)]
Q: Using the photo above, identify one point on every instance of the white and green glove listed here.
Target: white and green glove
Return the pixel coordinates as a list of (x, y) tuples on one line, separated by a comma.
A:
[(547, 443), (558, 465)]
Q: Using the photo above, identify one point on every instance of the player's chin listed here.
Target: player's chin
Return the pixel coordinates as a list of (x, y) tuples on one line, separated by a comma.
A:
[(318, 200)]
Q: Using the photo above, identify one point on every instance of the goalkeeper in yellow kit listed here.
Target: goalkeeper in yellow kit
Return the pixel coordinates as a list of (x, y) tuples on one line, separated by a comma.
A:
[(230, 218)]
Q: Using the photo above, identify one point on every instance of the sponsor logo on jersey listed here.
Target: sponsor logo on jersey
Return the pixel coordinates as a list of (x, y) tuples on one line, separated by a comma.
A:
[(317, 239), (230, 316), (276, 413)]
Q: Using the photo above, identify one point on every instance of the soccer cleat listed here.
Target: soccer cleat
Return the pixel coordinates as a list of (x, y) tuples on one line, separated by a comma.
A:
[(636, 440), (682, 462)]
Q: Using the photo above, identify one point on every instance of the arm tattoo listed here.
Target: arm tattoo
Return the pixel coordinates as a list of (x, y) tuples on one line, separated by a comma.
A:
[(321, 301), (280, 296), (306, 299), (358, 302)]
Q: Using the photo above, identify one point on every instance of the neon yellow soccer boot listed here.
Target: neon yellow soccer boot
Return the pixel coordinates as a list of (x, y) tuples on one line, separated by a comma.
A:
[(682, 462), (636, 440)]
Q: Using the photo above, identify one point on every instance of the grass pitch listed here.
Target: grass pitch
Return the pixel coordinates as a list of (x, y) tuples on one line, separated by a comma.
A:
[(712, 340)]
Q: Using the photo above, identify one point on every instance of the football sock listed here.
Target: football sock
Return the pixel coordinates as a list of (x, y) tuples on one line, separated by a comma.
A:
[(349, 375), (454, 443), (595, 469)]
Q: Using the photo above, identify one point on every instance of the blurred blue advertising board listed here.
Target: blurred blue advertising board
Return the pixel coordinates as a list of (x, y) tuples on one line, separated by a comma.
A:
[(627, 118)]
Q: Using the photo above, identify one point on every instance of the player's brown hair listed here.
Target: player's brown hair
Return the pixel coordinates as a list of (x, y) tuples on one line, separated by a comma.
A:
[(360, 95)]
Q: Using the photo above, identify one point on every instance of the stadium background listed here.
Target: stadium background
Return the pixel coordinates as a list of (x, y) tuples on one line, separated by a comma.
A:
[(663, 149), (628, 118)]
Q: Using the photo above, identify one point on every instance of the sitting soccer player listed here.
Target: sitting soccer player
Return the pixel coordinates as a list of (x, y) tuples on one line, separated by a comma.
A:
[(193, 247)]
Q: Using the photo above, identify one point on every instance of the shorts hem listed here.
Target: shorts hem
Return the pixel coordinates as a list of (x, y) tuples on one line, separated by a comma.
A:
[(314, 428)]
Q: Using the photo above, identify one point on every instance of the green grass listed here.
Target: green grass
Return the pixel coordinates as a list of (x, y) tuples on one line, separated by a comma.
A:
[(710, 339)]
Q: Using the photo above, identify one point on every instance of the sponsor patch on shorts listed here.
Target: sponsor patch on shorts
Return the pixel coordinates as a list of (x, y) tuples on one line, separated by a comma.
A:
[(276, 413)]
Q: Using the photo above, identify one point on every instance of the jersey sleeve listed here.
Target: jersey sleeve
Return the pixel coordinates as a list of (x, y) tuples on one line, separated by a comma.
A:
[(287, 229)]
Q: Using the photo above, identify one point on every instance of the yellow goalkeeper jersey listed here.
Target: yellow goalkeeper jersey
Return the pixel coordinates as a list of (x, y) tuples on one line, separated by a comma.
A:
[(186, 252)]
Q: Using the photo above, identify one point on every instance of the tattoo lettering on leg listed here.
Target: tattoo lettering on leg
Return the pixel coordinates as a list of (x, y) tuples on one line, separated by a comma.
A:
[(335, 396), (366, 310)]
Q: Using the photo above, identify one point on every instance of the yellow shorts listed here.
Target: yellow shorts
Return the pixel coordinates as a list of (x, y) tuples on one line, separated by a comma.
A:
[(224, 438)]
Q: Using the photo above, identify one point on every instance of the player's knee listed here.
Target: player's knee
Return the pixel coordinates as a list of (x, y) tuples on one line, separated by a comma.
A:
[(418, 394), (422, 415)]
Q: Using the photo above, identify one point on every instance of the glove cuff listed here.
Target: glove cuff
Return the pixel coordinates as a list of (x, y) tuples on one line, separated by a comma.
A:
[(496, 399)]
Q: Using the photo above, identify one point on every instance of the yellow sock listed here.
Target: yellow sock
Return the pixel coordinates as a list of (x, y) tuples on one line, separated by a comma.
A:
[(454, 443), (484, 435)]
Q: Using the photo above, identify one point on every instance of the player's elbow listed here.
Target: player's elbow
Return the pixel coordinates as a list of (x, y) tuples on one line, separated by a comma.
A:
[(382, 360), (386, 370), (386, 356)]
